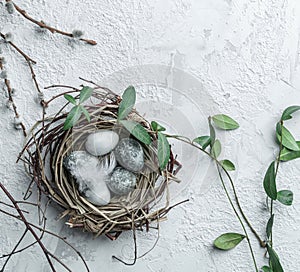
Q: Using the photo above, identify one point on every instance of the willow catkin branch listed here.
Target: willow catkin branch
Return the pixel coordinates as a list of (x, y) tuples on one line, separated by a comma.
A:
[(51, 29), (11, 100), (21, 52)]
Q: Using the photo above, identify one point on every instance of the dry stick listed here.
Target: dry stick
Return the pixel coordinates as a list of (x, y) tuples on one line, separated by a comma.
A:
[(50, 233), (51, 29), (97, 85), (14, 250), (10, 98), (32, 244), (28, 226), (135, 247), (17, 49)]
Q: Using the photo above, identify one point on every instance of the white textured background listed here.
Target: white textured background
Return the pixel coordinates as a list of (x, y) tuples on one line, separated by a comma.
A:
[(244, 55)]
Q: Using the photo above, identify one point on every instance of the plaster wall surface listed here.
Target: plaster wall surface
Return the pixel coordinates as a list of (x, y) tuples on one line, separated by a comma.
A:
[(188, 59)]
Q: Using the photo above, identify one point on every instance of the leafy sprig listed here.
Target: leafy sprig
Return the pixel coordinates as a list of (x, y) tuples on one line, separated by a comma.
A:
[(78, 109), (288, 150), (139, 132)]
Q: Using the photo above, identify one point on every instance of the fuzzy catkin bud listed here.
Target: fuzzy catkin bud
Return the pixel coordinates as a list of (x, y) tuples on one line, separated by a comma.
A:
[(8, 104), (18, 127), (10, 7), (77, 33), (18, 123), (13, 92), (2, 60), (41, 96), (8, 37), (3, 74)]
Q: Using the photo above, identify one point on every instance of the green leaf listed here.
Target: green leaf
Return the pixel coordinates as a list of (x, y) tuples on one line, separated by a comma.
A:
[(212, 132), (286, 115), (270, 182), (157, 127), (70, 98), (288, 140), (204, 141), (225, 122), (86, 113), (288, 155), (274, 260), (127, 103), (270, 226), (228, 241), (72, 117), (285, 197), (85, 93), (227, 165), (266, 269), (137, 130), (163, 151), (216, 149)]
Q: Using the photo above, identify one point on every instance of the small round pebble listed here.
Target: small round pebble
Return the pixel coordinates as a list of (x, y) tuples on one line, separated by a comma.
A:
[(129, 154), (122, 181)]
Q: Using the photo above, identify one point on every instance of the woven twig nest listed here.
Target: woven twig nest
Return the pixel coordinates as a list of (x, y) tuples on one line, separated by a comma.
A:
[(49, 144)]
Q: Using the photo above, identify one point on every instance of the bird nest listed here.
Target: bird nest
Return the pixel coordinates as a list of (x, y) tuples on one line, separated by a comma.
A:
[(48, 145)]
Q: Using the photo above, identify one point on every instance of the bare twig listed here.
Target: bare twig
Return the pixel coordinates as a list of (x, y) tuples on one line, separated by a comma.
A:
[(11, 100), (28, 226), (51, 29)]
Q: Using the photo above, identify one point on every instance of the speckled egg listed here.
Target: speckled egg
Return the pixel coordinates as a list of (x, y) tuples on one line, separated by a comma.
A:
[(130, 155), (101, 142), (121, 181)]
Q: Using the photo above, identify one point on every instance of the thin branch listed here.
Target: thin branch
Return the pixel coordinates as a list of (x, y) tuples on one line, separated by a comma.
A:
[(51, 29), (50, 233), (25, 56), (14, 250), (28, 226), (11, 100)]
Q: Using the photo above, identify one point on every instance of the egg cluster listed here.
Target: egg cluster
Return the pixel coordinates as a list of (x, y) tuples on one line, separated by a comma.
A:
[(108, 166)]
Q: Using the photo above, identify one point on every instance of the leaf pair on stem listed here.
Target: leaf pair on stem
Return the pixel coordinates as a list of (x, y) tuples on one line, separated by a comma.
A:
[(139, 132), (78, 109)]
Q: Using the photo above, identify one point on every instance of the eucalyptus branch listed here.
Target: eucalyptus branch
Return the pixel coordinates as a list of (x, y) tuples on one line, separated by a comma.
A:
[(74, 34)]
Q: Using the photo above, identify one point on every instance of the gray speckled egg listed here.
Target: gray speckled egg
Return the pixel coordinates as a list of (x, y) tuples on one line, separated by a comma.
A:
[(129, 154), (121, 181)]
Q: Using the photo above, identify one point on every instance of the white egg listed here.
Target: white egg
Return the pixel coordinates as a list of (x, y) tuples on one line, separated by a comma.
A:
[(98, 194), (101, 142)]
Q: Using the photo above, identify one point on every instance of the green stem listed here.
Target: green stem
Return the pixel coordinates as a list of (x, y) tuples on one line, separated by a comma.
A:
[(276, 173), (238, 216), (188, 141), (219, 165)]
